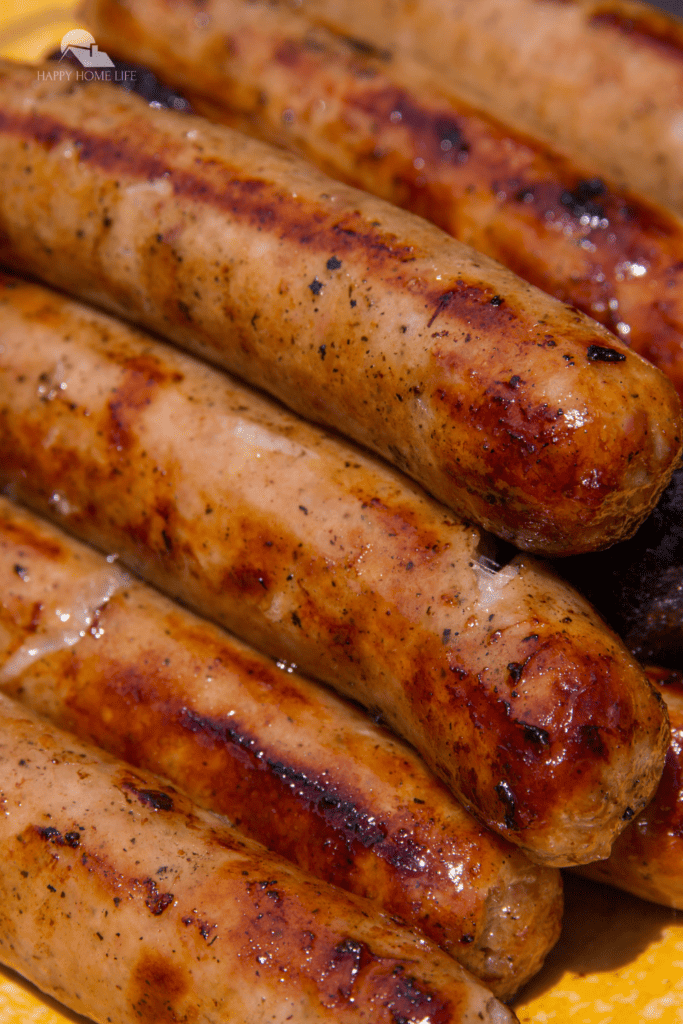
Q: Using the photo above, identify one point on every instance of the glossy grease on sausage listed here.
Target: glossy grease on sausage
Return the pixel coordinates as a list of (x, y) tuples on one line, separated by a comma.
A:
[(507, 682), (383, 123), (601, 80), (647, 858), (294, 767), (126, 902), (516, 411)]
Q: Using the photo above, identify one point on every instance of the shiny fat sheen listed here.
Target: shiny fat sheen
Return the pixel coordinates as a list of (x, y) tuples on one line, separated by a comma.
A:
[(647, 858), (296, 768), (601, 80), (385, 123), (506, 681), (128, 903), (516, 411)]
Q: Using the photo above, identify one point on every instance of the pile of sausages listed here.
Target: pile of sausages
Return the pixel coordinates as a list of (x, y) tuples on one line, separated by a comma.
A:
[(197, 811)]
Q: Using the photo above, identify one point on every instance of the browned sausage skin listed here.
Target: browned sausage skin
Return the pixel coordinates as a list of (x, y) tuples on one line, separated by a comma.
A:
[(647, 859), (126, 902), (518, 412), (383, 123), (507, 682), (601, 80), (293, 766)]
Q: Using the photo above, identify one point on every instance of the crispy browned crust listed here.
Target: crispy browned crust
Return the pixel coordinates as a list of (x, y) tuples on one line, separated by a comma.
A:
[(517, 411), (601, 80), (647, 859), (303, 772), (508, 684), (127, 902), (381, 123)]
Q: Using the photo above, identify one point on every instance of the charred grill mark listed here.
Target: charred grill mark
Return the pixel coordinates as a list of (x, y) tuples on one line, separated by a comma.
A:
[(650, 30), (436, 132), (23, 536), (406, 999), (509, 802), (97, 865), (233, 771), (478, 306), (342, 815), (142, 378), (580, 201), (513, 166), (366, 49), (409, 1001), (126, 151), (396, 520), (154, 798), (624, 219)]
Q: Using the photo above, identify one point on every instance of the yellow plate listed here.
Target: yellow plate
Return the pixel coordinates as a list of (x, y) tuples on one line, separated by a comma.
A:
[(619, 960)]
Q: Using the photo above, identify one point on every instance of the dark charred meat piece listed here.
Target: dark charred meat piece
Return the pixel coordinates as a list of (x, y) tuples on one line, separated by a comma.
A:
[(638, 585)]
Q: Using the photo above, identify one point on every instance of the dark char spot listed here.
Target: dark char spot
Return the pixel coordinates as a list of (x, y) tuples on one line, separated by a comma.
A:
[(601, 354)]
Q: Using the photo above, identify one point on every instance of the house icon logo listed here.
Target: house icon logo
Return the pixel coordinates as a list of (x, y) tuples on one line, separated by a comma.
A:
[(83, 47)]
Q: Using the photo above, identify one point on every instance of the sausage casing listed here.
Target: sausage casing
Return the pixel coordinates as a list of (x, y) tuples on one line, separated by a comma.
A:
[(506, 682), (647, 858), (516, 411), (127, 902), (383, 124), (294, 767), (598, 79)]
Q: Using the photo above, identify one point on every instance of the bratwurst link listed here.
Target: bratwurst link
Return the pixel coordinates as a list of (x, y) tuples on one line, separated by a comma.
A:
[(128, 903), (293, 766), (506, 682), (516, 411), (647, 858), (601, 80), (381, 122)]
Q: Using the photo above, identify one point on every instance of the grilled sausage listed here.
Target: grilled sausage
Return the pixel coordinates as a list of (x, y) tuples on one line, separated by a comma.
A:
[(601, 80), (647, 858), (126, 902), (290, 764), (515, 410), (506, 682), (386, 126)]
